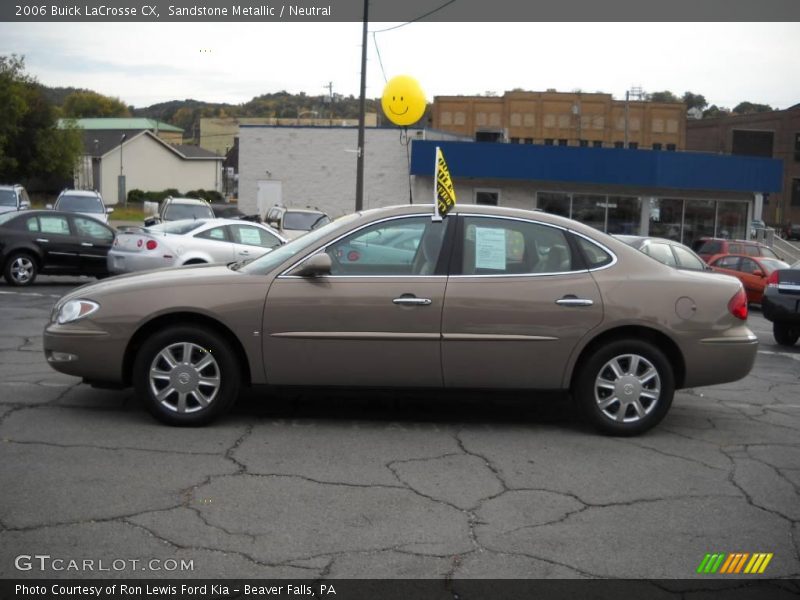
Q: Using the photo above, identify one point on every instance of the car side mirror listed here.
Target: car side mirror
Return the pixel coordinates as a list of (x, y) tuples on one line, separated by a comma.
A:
[(316, 266), (109, 210), (48, 206)]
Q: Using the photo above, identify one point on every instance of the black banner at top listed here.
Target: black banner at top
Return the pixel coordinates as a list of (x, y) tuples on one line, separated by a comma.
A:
[(397, 10)]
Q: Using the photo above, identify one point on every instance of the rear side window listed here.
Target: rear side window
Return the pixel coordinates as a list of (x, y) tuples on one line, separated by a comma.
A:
[(593, 254), (510, 247), (728, 262), (687, 260), (662, 253)]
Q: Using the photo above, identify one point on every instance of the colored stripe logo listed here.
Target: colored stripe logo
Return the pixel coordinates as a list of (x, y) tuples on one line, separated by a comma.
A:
[(735, 563)]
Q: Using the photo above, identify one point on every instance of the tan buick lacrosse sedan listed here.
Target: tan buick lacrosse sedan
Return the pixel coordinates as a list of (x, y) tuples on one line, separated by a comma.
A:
[(487, 298)]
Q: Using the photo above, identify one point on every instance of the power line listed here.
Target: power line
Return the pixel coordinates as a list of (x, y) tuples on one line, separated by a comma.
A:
[(419, 18)]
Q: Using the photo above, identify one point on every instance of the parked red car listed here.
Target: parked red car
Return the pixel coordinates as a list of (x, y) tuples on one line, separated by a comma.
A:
[(707, 248), (752, 271)]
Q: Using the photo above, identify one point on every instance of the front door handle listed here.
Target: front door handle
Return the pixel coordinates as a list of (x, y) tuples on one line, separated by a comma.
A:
[(412, 301), (571, 300), (87, 244), (42, 240)]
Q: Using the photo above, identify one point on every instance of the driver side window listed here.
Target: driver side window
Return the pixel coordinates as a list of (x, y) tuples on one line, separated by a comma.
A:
[(403, 246)]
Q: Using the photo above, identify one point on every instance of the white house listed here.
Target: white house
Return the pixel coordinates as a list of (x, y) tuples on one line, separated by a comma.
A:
[(147, 163)]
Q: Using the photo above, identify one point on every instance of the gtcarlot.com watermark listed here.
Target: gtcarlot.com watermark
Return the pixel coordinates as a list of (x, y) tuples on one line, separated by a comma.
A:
[(45, 562)]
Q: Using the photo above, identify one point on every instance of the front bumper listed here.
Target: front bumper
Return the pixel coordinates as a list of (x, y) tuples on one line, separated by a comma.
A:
[(89, 353)]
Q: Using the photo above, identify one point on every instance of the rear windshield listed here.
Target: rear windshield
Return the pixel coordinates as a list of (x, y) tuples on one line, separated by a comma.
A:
[(84, 204), (771, 264), (176, 212), (8, 198), (179, 227)]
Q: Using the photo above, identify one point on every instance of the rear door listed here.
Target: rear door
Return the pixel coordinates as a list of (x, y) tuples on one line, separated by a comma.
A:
[(518, 301)]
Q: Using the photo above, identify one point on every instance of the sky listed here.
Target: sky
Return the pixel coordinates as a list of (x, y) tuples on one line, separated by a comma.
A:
[(147, 63)]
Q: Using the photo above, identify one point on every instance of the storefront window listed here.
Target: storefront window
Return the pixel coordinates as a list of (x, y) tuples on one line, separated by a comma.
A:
[(590, 210), (698, 220), (624, 214), (553, 202), (666, 216), (732, 220)]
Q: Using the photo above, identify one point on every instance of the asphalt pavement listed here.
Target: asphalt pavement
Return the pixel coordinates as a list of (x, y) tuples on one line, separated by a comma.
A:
[(319, 485)]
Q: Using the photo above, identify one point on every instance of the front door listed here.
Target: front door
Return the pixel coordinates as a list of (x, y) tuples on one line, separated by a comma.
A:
[(374, 321)]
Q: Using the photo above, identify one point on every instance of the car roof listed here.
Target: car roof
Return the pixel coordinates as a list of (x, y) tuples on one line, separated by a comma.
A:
[(181, 200), (80, 193)]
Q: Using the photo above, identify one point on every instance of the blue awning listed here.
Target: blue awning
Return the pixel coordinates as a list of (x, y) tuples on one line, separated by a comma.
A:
[(601, 166)]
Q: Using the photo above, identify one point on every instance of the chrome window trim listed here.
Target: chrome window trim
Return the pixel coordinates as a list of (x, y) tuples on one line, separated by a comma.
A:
[(566, 230), (324, 248)]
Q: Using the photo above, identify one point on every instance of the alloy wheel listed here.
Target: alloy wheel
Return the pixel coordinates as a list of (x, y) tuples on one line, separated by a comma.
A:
[(184, 377), (627, 388)]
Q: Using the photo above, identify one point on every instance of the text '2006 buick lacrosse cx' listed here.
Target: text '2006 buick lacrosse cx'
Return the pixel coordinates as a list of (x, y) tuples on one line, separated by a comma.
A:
[(487, 298)]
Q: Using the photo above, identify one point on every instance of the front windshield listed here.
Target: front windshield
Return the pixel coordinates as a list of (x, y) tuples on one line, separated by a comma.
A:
[(83, 204), (269, 261), (8, 198), (303, 221), (188, 211)]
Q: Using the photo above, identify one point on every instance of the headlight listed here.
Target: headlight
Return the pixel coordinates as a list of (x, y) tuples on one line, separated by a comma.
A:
[(74, 310)]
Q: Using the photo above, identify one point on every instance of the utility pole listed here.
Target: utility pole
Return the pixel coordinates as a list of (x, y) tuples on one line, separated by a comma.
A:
[(362, 107), (329, 87)]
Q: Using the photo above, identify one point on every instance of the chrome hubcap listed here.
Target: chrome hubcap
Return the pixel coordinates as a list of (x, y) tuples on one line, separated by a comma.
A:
[(627, 388), (184, 377), (22, 269)]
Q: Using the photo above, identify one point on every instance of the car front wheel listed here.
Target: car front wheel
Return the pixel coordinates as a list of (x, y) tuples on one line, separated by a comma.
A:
[(186, 375), (785, 334), (625, 387)]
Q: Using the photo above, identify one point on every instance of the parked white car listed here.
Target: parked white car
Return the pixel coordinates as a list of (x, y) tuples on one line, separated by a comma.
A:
[(83, 202), (189, 242)]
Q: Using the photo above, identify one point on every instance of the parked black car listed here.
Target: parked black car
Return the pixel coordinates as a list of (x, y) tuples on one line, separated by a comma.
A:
[(228, 211), (52, 242), (781, 304)]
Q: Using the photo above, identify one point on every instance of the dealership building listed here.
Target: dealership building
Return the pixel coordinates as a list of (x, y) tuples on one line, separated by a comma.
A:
[(679, 195)]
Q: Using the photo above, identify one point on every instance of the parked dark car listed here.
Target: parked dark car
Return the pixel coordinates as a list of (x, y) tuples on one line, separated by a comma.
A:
[(52, 242), (792, 232), (781, 304)]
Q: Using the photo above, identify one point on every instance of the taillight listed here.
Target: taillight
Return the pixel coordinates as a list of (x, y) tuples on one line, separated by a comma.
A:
[(772, 280), (151, 244), (738, 305)]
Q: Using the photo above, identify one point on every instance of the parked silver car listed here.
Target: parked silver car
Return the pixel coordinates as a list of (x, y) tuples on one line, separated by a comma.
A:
[(189, 242), (13, 198), (83, 202), (487, 298)]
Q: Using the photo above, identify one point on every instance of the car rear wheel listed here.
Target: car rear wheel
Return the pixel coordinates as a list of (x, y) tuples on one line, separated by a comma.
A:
[(785, 334), (186, 375), (625, 387), (20, 269)]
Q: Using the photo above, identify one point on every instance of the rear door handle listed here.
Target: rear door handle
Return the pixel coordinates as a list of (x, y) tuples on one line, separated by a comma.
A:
[(87, 244), (574, 301), (42, 240), (412, 301)]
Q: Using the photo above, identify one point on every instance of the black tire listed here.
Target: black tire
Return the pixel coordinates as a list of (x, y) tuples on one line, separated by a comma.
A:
[(785, 334), (21, 269), (204, 385), (630, 400)]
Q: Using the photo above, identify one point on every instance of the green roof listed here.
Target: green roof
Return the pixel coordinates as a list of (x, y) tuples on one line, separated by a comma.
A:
[(122, 123)]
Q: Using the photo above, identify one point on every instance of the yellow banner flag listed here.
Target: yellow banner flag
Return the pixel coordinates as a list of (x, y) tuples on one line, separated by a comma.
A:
[(445, 192)]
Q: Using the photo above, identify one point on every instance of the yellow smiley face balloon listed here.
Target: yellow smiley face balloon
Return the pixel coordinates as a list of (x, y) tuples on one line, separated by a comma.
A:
[(403, 100)]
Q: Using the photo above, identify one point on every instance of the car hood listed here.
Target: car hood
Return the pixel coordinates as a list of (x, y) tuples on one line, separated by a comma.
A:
[(159, 279)]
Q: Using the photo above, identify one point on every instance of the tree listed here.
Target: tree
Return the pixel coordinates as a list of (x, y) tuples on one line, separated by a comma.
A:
[(746, 108), (87, 104), (31, 144), (697, 101), (665, 96), (716, 111)]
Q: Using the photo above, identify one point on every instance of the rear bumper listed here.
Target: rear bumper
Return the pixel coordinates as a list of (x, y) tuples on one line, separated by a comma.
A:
[(781, 307), (124, 262), (719, 360)]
